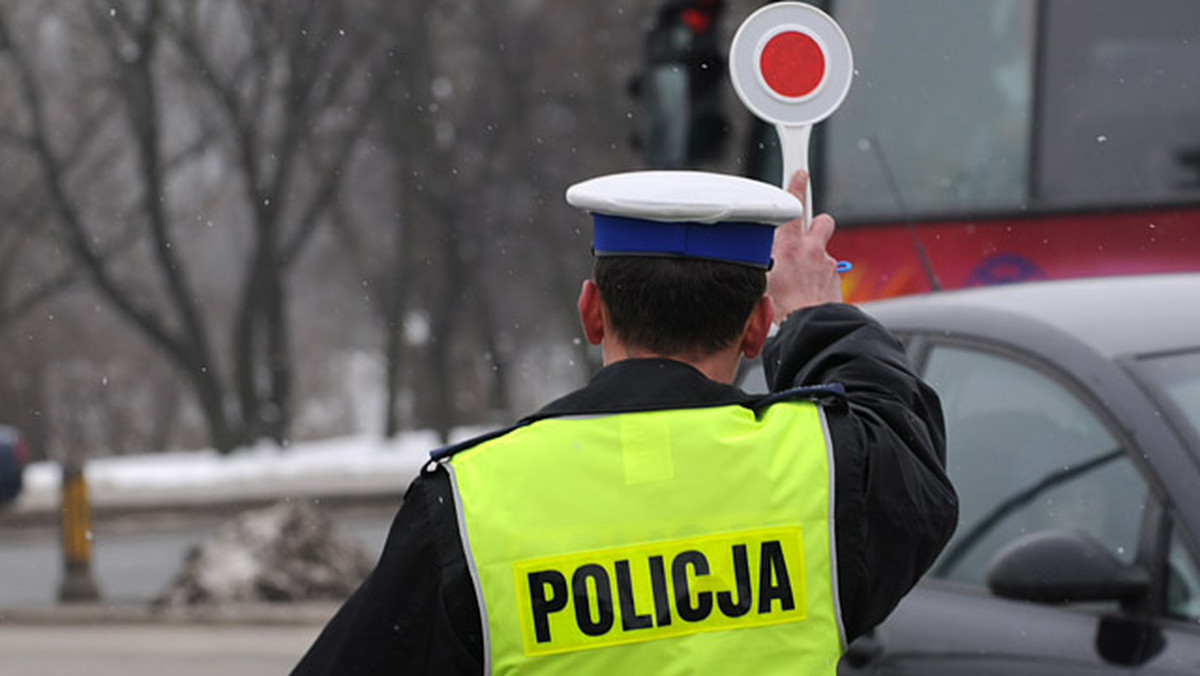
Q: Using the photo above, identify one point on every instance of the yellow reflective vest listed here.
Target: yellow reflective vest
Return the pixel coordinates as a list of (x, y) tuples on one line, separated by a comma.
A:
[(683, 541)]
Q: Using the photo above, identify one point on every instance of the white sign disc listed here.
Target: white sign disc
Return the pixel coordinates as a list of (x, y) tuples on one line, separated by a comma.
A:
[(791, 64)]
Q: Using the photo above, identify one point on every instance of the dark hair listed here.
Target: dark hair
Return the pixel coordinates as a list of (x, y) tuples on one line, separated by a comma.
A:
[(673, 305)]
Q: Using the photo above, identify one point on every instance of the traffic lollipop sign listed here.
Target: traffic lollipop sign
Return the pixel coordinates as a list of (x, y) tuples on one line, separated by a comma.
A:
[(791, 65)]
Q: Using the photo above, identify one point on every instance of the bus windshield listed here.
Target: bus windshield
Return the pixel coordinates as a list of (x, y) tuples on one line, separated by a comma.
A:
[(1014, 106)]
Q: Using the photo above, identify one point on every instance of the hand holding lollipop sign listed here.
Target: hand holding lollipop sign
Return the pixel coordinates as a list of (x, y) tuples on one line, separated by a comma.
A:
[(791, 65)]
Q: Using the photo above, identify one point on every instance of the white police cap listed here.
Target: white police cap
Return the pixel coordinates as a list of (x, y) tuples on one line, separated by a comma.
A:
[(685, 214)]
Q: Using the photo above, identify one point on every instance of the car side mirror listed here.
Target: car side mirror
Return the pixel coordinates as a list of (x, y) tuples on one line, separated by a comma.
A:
[(1061, 566)]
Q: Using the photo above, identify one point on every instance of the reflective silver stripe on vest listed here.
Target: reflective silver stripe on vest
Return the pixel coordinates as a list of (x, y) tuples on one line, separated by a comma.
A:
[(833, 555), (466, 545)]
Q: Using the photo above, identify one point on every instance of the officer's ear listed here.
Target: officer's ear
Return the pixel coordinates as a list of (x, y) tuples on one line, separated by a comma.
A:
[(591, 312), (758, 327)]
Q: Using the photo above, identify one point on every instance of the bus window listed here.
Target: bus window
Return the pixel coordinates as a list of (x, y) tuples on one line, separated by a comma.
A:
[(1015, 105), (1120, 96), (943, 91)]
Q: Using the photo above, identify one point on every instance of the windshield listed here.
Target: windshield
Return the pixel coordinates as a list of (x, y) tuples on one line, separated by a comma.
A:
[(1177, 376), (1000, 105)]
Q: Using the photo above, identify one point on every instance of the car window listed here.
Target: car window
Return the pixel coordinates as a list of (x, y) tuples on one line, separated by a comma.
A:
[(1026, 454), (1183, 590), (1177, 376)]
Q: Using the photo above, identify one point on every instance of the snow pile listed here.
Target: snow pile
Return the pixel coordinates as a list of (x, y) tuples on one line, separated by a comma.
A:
[(343, 466), (288, 552)]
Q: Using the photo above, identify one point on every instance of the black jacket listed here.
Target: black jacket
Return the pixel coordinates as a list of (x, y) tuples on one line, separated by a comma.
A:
[(417, 612)]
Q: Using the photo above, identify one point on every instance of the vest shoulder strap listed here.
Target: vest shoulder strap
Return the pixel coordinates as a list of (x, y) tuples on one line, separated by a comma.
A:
[(449, 451), (828, 393)]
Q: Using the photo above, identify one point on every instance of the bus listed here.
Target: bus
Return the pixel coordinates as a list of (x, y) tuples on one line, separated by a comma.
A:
[(998, 141)]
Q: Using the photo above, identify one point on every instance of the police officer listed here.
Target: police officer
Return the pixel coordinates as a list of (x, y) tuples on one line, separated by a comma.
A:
[(660, 520)]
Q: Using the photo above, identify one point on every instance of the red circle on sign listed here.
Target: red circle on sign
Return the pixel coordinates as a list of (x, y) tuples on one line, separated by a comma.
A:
[(792, 64)]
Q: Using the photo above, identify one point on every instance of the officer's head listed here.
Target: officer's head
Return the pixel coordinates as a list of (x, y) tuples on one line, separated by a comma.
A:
[(671, 306), (681, 261)]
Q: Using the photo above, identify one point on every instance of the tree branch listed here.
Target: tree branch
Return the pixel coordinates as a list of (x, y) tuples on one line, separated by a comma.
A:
[(78, 239), (136, 79)]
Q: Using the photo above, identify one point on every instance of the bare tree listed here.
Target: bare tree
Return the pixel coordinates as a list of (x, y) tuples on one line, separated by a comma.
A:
[(431, 269), (488, 124), (274, 94), (194, 161)]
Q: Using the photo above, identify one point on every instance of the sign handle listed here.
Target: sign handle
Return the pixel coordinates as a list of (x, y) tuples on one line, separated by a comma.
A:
[(793, 147)]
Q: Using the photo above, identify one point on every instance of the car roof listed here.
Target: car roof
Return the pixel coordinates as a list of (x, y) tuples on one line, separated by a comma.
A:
[(1116, 316)]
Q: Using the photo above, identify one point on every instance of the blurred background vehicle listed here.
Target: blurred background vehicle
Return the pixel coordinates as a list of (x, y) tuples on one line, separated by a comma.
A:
[(1073, 432), (1014, 145), (13, 458), (981, 143)]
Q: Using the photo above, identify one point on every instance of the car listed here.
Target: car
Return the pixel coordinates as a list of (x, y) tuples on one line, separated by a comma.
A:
[(1073, 439), (13, 458)]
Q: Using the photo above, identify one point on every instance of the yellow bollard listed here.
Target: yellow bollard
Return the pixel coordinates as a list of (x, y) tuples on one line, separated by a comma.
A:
[(77, 583)]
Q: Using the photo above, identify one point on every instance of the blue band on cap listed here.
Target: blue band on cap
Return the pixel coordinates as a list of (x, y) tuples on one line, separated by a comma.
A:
[(745, 243)]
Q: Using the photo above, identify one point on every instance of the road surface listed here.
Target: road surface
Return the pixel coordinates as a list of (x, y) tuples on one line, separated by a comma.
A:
[(146, 649)]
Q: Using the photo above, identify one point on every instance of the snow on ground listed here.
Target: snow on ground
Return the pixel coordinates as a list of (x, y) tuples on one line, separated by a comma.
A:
[(349, 465)]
